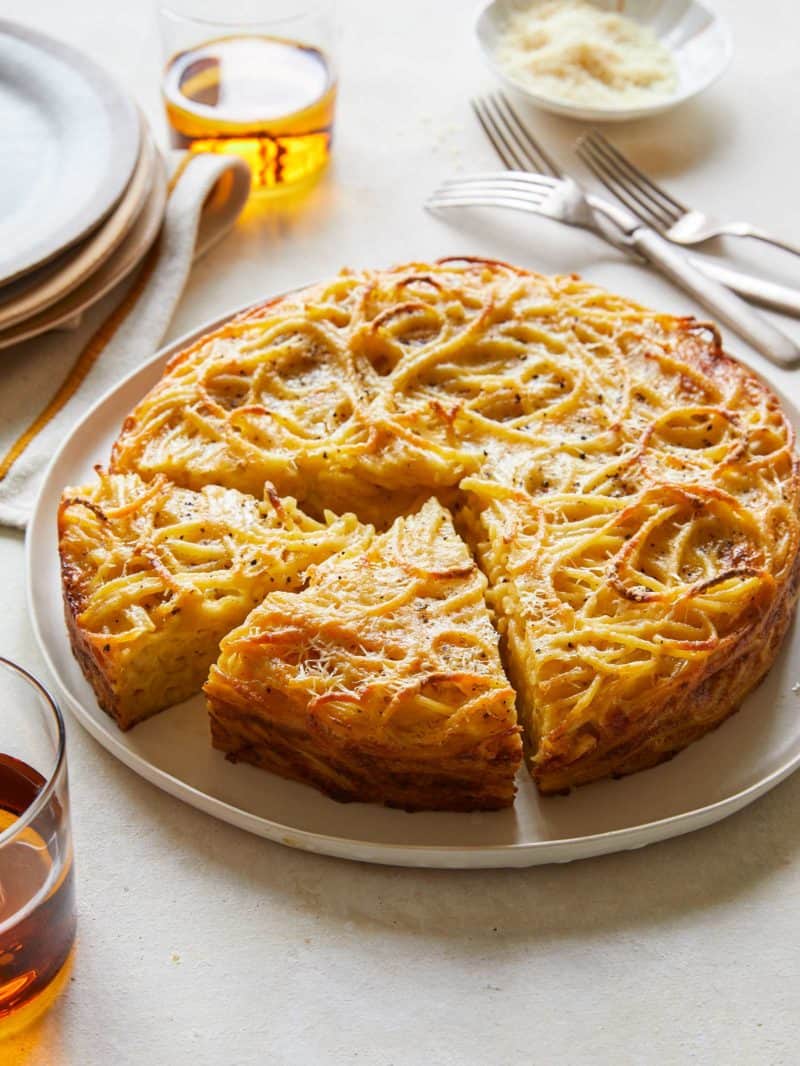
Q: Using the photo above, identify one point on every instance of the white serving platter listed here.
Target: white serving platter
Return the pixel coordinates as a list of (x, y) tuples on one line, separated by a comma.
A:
[(69, 147), (717, 776)]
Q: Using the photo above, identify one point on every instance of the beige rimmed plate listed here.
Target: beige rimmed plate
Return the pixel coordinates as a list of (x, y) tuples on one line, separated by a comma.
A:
[(717, 776), (129, 253), (40, 289), (69, 147)]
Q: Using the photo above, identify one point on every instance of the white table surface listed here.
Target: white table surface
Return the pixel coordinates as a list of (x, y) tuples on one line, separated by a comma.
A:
[(199, 944)]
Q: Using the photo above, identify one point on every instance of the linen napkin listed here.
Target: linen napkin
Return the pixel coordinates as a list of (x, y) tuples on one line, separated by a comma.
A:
[(48, 382)]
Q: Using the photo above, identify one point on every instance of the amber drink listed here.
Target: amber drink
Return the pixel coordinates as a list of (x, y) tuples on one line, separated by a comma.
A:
[(267, 97), (37, 893)]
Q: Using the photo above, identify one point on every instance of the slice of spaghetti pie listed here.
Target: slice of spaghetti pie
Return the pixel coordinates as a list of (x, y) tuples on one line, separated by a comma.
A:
[(380, 681), (642, 591), (155, 575)]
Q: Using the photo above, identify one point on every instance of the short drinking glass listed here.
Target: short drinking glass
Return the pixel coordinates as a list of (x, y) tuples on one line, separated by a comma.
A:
[(37, 894), (256, 79)]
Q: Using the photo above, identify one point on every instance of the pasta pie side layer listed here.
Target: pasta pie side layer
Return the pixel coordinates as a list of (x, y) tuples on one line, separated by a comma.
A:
[(630, 492), (379, 681)]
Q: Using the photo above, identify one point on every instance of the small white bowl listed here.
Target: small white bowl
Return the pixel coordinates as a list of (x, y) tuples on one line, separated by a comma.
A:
[(699, 39)]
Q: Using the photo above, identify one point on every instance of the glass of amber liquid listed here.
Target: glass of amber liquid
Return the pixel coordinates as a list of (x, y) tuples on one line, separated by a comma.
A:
[(255, 79), (37, 892)]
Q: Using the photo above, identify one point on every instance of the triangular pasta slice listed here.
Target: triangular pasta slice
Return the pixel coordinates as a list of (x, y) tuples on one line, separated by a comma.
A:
[(155, 575), (380, 681)]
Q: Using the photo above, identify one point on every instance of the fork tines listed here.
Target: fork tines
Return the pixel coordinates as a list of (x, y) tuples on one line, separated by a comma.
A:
[(627, 182), (513, 142), (505, 189), (532, 173)]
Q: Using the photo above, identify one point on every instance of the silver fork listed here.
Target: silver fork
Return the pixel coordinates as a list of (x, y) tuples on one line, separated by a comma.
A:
[(563, 199), (655, 206), (517, 149), (534, 183)]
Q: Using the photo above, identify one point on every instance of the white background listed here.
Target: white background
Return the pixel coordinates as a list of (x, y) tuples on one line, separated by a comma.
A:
[(199, 944)]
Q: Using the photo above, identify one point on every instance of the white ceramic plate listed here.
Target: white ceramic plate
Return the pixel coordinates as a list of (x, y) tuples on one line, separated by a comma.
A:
[(70, 140), (39, 289), (124, 258), (699, 39), (748, 755)]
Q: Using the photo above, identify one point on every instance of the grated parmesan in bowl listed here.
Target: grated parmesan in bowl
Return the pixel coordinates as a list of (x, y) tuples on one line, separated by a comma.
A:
[(597, 60), (570, 50)]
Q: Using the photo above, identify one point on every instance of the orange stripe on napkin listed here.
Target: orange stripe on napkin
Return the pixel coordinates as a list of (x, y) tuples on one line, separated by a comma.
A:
[(95, 346)]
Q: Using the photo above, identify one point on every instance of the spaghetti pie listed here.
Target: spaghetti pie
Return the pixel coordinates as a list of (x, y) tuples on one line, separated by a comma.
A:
[(380, 681), (630, 492)]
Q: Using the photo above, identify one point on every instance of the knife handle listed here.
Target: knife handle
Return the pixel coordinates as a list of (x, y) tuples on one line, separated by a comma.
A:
[(723, 304), (759, 290)]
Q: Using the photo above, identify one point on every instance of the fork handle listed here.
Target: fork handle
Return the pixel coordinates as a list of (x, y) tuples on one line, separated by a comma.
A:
[(744, 229), (725, 305)]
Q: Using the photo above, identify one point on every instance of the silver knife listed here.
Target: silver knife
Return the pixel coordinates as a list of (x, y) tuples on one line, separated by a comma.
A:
[(758, 290)]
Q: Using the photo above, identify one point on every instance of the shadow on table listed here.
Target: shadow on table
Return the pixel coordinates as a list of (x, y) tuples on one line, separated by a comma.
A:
[(665, 145), (615, 893)]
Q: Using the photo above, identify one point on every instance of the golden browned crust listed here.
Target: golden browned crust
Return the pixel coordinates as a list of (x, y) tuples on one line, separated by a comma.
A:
[(353, 773), (702, 706), (89, 653), (380, 681), (643, 595), (154, 576)]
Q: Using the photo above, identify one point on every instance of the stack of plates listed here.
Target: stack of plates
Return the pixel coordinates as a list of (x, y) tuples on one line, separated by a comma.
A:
[(82, 185)]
